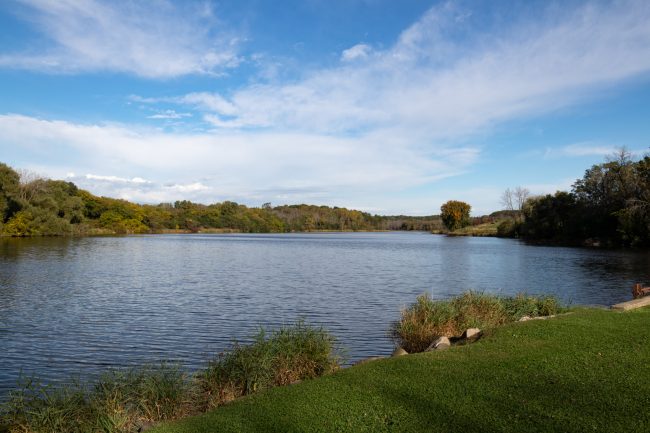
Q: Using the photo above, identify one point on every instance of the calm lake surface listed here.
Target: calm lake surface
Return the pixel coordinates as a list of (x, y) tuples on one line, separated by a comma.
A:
[(73, 307)]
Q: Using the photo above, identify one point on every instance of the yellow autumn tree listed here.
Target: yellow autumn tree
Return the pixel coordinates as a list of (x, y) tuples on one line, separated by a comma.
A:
[(455, 214)]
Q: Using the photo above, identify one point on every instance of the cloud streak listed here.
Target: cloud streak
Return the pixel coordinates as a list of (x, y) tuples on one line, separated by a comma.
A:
[(154, 39), (233, 165), (430, 84)]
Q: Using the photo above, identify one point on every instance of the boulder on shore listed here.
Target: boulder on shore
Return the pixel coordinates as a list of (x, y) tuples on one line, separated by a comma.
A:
[(399, 352), (144, 426), (441, 343), (366, 360), (471, 333)]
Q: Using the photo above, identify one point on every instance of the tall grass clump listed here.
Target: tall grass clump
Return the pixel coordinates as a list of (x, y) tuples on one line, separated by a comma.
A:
[(284, 356), (120, 401), (38, 408), (126, 399), (427, 319)]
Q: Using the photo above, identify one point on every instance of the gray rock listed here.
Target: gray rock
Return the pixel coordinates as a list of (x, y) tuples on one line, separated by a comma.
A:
[(472, 333), (527, 318), (367, 360), (399, 352), (441, 343), (147, 425)]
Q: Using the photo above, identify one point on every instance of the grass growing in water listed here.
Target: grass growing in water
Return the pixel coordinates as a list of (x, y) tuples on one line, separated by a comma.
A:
[(288, 355), (427, 319), (121, 401), (126, 399)]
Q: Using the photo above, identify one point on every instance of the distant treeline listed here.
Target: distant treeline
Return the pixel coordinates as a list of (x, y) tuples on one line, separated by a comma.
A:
[(32, 206), (609, 206)]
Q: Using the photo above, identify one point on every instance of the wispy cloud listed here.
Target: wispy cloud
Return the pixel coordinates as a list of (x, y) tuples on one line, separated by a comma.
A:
[(584, 149), (155, 38), (169, 115), (138, 188), (441, 79), (358, 51), (112, 179), (234, 165)]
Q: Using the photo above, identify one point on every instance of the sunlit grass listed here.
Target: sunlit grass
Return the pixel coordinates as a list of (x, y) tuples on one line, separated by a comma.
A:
[(582, 372), (486, 229)]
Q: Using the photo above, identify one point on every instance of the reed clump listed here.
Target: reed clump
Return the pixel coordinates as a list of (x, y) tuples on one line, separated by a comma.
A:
[(287, 355), (427, 319), (118, 401), (125, 400)]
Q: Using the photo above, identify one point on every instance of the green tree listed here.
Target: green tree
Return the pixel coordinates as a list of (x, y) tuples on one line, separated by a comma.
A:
[(9, 192), (455, 214), (553, 217), (614, 197)]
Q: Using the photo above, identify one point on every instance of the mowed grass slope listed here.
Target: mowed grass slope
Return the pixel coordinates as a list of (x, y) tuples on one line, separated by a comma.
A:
[(584, 372)]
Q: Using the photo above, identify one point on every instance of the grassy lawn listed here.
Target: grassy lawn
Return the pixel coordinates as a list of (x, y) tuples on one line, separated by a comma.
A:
[(588, 371), (487, 229)]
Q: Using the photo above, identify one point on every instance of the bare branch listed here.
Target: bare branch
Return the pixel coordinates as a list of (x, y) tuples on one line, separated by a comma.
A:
[(31, 183), (521, 195), (506, 199)]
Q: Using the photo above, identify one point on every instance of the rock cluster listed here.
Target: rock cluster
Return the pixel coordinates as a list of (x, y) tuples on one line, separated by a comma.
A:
[(527, 318), (471, 333), (441, 343)]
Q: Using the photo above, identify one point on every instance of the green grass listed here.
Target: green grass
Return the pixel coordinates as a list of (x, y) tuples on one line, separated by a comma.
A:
[(427, 319), (588, 371), (486, 229)]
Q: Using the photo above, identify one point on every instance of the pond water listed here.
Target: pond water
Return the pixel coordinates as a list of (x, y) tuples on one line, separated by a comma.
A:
[(73, 307)]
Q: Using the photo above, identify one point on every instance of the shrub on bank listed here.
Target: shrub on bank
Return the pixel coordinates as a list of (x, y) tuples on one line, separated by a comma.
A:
[(427, 319), (122, 401), (288, 355), (507, 229), (119, 401)]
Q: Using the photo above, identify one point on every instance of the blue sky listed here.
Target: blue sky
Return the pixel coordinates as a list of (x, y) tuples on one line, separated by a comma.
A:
[(389, 107)]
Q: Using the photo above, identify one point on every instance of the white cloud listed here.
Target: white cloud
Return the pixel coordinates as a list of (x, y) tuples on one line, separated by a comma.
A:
[(584, 149), (429, 86), (359, 51), (192, 187), (207, 101), (156, 38), (117, 179), (213, 166), (169, 115)]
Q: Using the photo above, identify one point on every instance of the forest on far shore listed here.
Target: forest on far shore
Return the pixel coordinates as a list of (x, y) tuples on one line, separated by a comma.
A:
[(609, 206), (34, 206)]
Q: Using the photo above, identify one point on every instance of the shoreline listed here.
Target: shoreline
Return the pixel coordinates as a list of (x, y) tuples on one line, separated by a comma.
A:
[(467, 377)]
